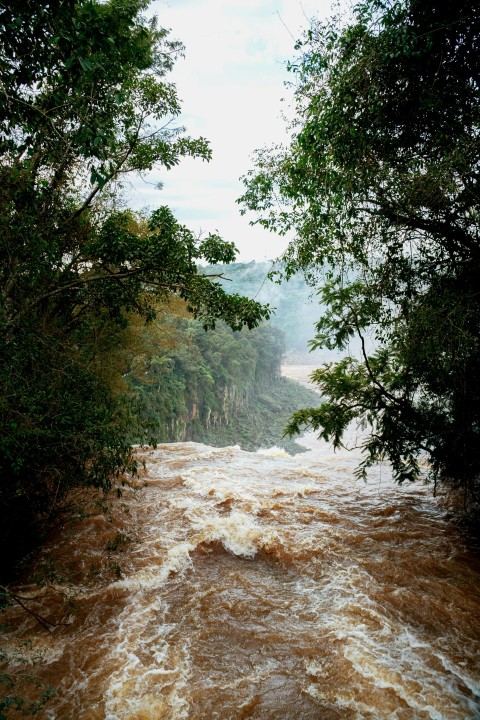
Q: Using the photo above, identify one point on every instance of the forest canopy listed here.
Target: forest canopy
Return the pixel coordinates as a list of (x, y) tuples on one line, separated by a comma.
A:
[(380, 188)]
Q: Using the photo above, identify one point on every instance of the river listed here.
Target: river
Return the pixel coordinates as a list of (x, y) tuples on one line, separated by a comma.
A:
[(257, 585)]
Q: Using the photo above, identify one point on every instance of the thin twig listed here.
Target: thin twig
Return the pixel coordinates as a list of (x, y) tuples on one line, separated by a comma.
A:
[(46, 624)]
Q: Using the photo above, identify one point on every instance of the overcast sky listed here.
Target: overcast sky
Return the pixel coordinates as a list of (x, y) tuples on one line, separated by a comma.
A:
[(231, 84)]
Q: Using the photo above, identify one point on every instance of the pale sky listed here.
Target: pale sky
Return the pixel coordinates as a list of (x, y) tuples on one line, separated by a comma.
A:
[(231, 84)]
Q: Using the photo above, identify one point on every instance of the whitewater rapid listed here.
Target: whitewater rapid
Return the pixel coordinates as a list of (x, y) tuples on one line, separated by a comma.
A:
[(259, 585)]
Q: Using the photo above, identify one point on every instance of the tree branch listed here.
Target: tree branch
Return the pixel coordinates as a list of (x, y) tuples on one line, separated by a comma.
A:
[(46, 624), (79, 283)]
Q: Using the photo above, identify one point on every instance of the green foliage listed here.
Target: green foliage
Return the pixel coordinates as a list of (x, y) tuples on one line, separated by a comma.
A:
[(17, 703), (84, 102), (380, 188), (260, 422), (21, 674), (220, 387)]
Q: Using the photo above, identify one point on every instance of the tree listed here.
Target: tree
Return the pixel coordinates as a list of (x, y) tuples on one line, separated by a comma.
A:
[(85, 100), (84, 103), (380, 187)]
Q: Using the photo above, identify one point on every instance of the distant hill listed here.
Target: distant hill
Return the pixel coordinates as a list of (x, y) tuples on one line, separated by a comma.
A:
[(296, 311), (296, 305)]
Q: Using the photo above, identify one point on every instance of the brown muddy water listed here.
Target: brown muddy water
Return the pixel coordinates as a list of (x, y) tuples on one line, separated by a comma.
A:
[(257, 585)]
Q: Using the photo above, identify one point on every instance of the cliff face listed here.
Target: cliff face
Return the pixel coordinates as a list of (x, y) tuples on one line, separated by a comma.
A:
[(218, 387), (258, 420), (200, 418)]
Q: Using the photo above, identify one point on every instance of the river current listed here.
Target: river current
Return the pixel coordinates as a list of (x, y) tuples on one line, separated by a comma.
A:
[(257, 585)]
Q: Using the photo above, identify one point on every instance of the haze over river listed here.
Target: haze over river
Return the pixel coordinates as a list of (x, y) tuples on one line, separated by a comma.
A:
[(260, 585)]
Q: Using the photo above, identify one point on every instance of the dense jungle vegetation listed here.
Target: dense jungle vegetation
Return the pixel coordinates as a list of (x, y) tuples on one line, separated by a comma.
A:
[(103, 311), (85, 102), (224, 387), (380, 190), (221, 387)]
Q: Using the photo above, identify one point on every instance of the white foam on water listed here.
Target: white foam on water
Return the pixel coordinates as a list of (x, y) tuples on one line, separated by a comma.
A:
[(273, 452), (151, 675), (178, 560), (238, 532), (348, 632)]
